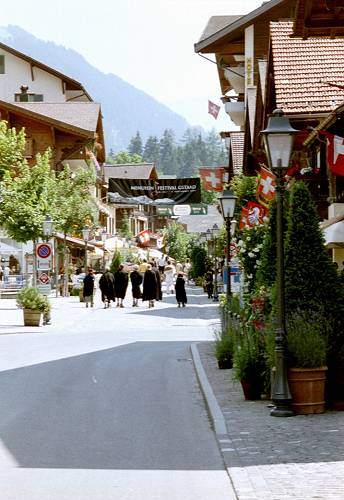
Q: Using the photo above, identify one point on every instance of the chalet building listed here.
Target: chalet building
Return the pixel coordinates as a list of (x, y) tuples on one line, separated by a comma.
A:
[(286, 54)]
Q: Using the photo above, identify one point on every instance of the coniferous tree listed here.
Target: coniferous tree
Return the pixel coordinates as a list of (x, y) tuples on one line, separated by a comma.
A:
[(189, 160), (151, 150), (135, 145), (168, 155)]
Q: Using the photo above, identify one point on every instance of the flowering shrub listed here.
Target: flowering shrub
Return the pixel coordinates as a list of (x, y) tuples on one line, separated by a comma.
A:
[(249, 247)]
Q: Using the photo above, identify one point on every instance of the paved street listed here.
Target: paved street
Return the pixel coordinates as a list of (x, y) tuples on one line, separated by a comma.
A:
[(105, 404)]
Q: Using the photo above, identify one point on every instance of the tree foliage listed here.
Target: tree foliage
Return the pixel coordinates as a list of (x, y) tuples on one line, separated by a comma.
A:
[(123, 157), (12, 146), (135, 145), (178, 241), (116, 261)]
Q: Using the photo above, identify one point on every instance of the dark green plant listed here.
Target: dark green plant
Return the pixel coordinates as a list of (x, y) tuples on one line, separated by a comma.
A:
[(224, 347), (198, 260), (31, 298), (116, 261), (306, 341)]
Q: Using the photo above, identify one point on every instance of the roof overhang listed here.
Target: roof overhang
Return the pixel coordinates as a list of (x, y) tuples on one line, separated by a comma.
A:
[(324, 18)]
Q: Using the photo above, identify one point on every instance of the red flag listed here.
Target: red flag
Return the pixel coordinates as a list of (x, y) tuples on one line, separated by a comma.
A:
[(243, 218), (256, 214), (213, 109), (335, 153), (144, 237), (266, 186), (212, 178)]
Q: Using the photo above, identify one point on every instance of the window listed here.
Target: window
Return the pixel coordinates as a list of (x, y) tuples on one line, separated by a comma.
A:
[(2, 64), (25, 97)]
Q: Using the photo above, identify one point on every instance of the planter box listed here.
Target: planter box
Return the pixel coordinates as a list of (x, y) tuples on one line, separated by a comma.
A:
[(32, 317), (307, 388)]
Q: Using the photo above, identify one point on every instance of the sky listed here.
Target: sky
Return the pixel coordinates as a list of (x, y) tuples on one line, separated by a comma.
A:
[(148, 43)]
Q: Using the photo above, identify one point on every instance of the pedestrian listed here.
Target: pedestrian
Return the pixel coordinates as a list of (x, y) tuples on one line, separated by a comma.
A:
[(179, 268), (169, 277), (88, 288), (161, 264), (209, 284), (150, 286), (143, 267), (180, 290), (121, 285), (107, 287), (187, 268), (158, 280), (136, 280)]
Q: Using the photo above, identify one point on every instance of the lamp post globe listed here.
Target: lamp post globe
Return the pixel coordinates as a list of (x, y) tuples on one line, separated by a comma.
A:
[(278, 140)]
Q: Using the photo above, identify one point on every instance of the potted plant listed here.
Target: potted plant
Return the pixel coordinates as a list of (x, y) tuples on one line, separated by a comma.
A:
[(224, 350), (33, 304), (307, 351), (249, 364)]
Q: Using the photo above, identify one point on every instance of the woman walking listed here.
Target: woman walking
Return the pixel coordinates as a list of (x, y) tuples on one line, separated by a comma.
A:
[(88, 288), (121, 284), (150, 286), (106, 285), (136, 280), (169, 277), (180, 290)]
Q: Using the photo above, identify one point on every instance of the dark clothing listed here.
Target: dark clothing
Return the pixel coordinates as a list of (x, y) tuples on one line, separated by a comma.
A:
[(180, 290), (88, 285), (158, 281), (209, 285), (150, 285), (106, 285), (121, 284), (136, 280)]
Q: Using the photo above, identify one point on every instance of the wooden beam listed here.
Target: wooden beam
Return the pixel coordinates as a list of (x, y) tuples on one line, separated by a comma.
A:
[(32, 73)]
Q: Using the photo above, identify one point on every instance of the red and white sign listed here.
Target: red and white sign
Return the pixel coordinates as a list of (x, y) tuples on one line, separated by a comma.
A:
[(43, 250), (212, 178), (335, 153), (266, 186), (44, 278), (144, 237), (256, 214), (213, 109)]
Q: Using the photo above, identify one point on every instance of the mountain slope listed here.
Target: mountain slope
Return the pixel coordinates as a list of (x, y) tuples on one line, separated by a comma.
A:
[(125, 108)]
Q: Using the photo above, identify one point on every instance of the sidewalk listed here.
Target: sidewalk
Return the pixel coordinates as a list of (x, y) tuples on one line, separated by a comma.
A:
[(267, 458)]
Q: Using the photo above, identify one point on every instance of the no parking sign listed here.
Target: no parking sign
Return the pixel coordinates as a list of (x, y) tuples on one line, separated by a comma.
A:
[(43, 254)]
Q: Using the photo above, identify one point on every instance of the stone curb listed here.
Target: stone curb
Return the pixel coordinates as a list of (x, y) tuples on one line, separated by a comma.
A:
[(215, 413)]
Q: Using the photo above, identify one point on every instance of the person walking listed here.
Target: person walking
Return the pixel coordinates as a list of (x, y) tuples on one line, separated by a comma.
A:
[(158, 280), (187, 268), (209, 284), (150, 286), (169, 277), (180, 290), (161, 264), (106, 285), (143, 267), (121, 285), (88, 288), (136, 280)]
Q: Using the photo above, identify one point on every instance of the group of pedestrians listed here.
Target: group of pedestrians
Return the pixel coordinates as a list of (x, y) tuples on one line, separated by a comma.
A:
[(146, 284)]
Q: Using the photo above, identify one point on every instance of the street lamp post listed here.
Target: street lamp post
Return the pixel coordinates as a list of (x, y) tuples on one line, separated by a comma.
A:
[(227, 203), (278, 141), (104, 236), (208, 239), (85, 236), (215, 231)]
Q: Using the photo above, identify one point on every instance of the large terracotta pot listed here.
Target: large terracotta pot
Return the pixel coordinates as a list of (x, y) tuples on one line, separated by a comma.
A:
[(32, 317), (307, 388)]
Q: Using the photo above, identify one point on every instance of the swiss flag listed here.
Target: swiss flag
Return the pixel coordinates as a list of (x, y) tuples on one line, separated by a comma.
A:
[(212, 178), (144, 237), (335, 153), (266, 186), (213, 109)]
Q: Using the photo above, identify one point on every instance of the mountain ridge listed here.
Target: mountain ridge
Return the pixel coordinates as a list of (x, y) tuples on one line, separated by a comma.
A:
[(117, 97)]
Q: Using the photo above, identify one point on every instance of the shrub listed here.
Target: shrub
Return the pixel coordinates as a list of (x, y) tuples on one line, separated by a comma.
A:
[(307, 341), (31, 298), (75, 292), (116, 261)]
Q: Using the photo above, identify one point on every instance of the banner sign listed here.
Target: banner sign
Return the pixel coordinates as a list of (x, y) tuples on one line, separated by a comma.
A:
[(194, 209), (147, 191)]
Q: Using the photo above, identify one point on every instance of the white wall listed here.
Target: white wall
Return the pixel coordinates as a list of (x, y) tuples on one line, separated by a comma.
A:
[(18, 72)]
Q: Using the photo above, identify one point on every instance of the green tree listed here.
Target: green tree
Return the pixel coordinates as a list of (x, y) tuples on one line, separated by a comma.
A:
[(135, 145), (12, 146), (245, 188), (168, 163), (123, 157), (116, 261), (151, 150), (198, 260), (178, 241), (125, 231)]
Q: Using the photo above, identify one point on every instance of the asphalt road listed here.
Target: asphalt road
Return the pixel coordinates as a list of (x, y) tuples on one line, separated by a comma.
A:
[(108, 409)]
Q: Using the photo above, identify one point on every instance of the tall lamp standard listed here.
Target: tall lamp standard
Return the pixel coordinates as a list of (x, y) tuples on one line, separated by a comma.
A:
[(227, 203), (278, 141), (215, 231), (85, 236), (208, 236), (104, 236)]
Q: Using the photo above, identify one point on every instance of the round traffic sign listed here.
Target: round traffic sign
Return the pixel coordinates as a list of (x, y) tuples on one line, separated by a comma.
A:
[(43, 250)]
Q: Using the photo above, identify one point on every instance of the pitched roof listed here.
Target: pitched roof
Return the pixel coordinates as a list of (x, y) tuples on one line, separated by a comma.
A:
[(305, 69), (240, 23), (81, 116), (237, 150), (71, 84), (215, 24), (130, 171)]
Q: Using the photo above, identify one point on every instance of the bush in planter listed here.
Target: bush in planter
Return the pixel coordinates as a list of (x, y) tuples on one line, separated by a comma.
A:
[(31, 298), (307, 348), (224, 346)]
